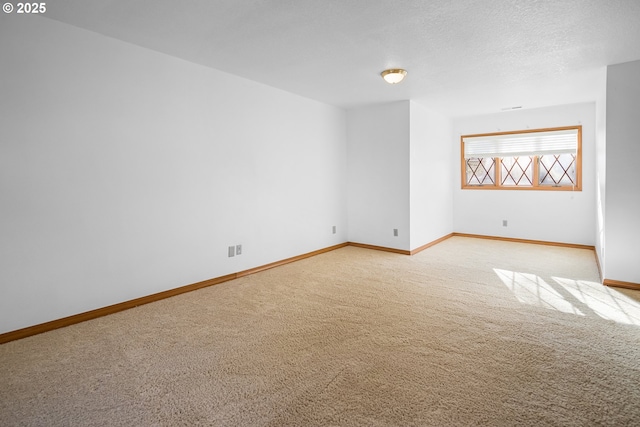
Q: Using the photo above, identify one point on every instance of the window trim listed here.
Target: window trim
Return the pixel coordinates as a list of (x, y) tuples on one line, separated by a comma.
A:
[(536, 165)]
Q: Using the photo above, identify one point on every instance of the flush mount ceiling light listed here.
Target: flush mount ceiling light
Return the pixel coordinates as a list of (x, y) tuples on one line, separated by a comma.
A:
[(393, 75)]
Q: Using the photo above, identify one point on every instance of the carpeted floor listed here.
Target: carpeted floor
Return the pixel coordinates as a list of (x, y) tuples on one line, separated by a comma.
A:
[(467, 332)]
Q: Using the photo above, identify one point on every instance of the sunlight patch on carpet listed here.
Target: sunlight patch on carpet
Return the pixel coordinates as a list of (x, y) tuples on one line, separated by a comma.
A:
[(533, 290), (604, 301), (579, 297)]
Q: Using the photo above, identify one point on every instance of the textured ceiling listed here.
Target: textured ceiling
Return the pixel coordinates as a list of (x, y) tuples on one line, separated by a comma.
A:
[(463, 56)]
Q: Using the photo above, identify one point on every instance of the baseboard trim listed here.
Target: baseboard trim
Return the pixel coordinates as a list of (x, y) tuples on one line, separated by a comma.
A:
[(474, 236), (600, 275), (380, 248), (428, 245), (115, 308), (111, 309), (290, 260), (401, 251), (621, 284), (535, 242)]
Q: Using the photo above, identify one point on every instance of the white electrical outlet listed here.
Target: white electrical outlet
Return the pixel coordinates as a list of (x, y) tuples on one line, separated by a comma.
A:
[(238, 249)]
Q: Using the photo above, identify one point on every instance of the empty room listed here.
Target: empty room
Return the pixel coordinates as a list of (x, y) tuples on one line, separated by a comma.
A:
[(319, 213)]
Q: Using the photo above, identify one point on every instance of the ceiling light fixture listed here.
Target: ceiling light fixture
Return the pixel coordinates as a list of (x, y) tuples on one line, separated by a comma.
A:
[(393, 75)]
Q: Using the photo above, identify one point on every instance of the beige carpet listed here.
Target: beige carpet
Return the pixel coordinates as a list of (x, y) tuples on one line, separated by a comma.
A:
[(468, 332)]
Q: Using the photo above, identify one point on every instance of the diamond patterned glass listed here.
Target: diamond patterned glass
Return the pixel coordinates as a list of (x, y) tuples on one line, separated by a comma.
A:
[(558, 169), (480, 171), (516, 171)]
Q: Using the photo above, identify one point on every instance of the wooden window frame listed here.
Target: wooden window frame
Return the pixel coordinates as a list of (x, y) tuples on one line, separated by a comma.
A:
[(536, 165)]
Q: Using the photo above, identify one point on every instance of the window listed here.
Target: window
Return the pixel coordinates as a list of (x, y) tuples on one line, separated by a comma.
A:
[(540, 159)]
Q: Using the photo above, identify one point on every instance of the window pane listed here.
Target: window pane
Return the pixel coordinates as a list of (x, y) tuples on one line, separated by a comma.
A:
[(516, 171), (558, 169), (480, 171)]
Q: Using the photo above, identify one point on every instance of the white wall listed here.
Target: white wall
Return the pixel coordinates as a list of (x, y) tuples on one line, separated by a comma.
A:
[(398, 154), (622, 224), (557, 216), (431, 204), (378, 174), (125, 172), (601, 171)]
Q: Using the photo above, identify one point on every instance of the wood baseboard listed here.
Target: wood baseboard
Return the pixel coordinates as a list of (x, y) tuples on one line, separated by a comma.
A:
[(428, 245), (289, 260), (380, 248), (115, 308), (111, 309), (621, 284), (535, 242), (401, 251), (600, 275)]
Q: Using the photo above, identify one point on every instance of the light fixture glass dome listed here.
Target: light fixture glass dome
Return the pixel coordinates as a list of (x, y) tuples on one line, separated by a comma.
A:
[(393, 75)]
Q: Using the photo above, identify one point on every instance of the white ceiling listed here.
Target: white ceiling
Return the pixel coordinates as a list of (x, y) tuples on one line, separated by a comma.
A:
[(463, 56)]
